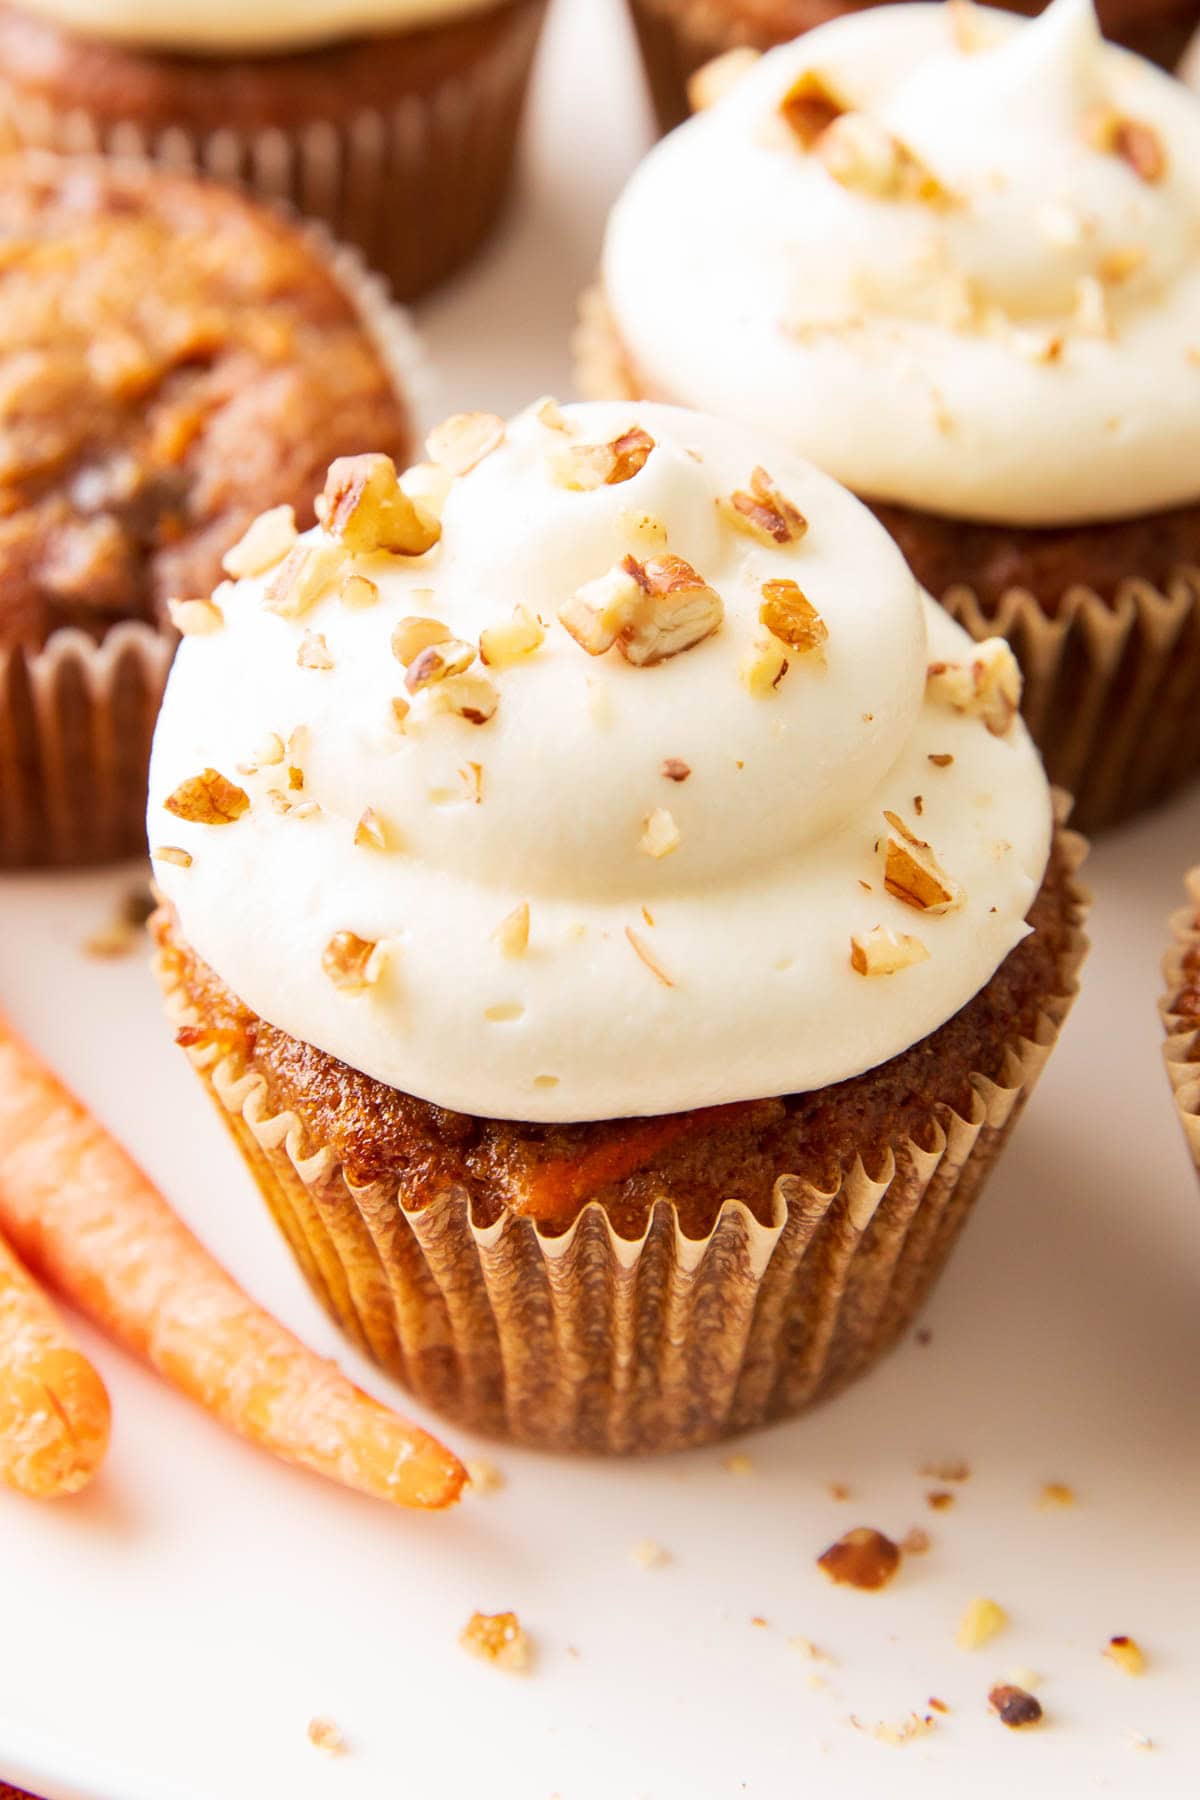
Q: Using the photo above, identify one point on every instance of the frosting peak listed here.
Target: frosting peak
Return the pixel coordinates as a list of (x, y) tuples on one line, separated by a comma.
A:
[(581, 798), (982, 250)]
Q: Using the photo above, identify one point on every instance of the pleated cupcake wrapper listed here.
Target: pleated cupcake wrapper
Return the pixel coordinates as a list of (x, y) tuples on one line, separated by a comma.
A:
[(590, 1341), (1111, 688), (77, 715), (1182, 1048), (415, 187)]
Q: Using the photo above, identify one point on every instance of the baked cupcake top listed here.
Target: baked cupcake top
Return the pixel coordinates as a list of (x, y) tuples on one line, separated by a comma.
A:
[(950, 255), (645, 780), (219, 26), (172, 358)]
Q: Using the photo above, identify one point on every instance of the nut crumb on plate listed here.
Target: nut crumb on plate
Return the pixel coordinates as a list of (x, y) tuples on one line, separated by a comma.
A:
[(980, 1623), (1126, 1654), (498, 1638), (861, 1558), (324, 1735), (1014, 1707), (484, 1476)]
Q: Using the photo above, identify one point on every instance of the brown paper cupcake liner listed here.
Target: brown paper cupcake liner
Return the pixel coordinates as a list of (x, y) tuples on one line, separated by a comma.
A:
[(416, 188), (1111, 687), (590, 1341), (77, 715), (1180, 1008)]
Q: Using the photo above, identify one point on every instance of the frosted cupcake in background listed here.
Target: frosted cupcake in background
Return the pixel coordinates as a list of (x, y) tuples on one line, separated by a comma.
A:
[(678, 37), (619, 917), (393, 121), (954, 263)]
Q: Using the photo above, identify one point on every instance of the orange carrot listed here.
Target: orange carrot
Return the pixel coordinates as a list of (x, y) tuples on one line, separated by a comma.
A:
[(82, 1214), (54, 1412)]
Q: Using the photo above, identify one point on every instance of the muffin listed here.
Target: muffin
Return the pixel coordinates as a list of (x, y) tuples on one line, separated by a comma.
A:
[(395, 122), (678, 37), (961, 279), (620, 934), (1181, 1014), (173, 359)]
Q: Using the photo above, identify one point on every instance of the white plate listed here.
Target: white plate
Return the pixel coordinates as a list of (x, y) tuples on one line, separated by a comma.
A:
[(169, 1635)]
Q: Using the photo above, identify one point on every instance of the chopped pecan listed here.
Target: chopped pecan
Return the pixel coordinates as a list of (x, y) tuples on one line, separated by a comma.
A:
[(764, 513), (364, 507), (208, 799)]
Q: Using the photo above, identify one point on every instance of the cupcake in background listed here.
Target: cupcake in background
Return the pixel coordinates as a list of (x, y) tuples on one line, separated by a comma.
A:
[(393, 121), (620, 920), (173, 360), (678, 37), (958, 273), (1180, 1009)]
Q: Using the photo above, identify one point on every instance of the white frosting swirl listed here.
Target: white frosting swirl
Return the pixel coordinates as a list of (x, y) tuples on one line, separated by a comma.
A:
[(947, 356), (230, 26), (779, 817)]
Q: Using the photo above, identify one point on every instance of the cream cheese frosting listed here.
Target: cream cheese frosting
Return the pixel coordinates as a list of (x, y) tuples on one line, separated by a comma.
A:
[(977, 294), (219, 26), (616, 886)]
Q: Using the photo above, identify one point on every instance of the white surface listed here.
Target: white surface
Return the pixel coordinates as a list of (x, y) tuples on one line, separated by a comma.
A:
[(168, 1636)]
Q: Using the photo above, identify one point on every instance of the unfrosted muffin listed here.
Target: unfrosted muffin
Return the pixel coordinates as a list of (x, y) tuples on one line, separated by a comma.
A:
[(393, 121), (619, 933), (958, 273), (173, 359), (678, 37)]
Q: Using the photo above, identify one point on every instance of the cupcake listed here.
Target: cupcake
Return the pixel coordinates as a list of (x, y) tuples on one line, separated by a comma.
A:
[(394, 122), (173, 359), (678, 37), (1181, 1014), (619, 922), (959, 275)]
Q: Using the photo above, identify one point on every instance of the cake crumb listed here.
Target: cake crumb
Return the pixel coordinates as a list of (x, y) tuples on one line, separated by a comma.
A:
[(980, 1623), (936, 1705), (916, 1541), (862, 1558), (757, 1619), (805, 1647), (1056, 1493), (1014, 1707), (939, 1499), (1140, 1741), (838, 1490), (649, 1555), (950, 1469), (923, 1336), (497, 1638), (913, 1725), (738, 1464), (484, 1476), (325, 1736), (1126, 1654)]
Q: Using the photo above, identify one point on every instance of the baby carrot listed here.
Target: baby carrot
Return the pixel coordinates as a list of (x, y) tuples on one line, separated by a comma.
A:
[(54, 1413), (81, 1213)]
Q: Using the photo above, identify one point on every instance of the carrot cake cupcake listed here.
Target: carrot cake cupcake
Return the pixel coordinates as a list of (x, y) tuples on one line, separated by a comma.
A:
[(617, 914), (173, 359), (678, 37), (394, 121), (958, 272)]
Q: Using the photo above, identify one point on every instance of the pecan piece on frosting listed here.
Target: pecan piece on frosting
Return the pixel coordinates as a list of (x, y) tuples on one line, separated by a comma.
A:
[(301, 578), (588, 466), (208, 799), (764, 513), (469, 697), (913, 874), (810, 106), (437, 662), (988, 687), (883, 952), (264, 543), (352, 963), (790, 615), (364, 507), (461, 442), (650, 611), (512, 640), (865, 157), (1137, 144)]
